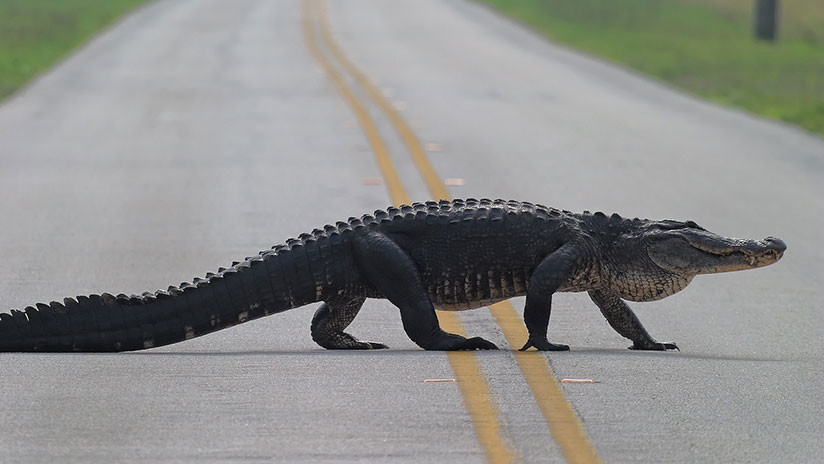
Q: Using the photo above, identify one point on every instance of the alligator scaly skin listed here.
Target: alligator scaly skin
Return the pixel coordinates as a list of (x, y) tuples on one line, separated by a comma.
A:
[(454, 255)]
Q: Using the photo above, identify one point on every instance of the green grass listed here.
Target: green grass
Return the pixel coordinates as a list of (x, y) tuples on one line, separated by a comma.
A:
[(36, 33), (703, 46)]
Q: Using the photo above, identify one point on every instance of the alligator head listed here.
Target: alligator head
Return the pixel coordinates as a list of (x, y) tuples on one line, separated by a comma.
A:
[(654, 259), (688, 249)]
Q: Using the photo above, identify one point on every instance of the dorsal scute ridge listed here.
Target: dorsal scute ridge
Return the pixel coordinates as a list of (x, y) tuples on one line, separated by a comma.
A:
[(264, 254), (442, 208), (57, 307)]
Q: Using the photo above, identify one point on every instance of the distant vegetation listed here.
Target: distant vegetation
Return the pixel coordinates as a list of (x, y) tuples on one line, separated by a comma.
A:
[(703, 46), (36, 33)]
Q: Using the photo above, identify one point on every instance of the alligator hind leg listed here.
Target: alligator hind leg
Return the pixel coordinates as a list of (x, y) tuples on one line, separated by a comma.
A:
[(391, 271), (330, 320)]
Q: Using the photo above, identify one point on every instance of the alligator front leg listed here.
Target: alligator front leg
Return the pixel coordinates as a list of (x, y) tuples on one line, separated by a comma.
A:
[(551, 273), (391, 271), (624, 321), (330, 320)]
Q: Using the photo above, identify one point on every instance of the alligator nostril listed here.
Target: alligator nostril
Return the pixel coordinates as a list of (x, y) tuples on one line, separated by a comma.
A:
[(776, 244)]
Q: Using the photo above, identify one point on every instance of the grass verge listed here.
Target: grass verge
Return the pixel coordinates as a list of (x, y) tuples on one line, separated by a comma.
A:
[(34, 34), (703, 46)]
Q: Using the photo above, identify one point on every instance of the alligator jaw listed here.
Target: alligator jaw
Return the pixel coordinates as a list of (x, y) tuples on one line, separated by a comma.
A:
[(737, 254), (701, 252)]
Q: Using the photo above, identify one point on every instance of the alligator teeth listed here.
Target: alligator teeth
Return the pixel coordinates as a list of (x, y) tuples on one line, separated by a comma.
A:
[(752, 260)]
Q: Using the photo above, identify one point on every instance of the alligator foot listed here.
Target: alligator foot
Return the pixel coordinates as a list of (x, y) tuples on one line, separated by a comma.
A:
[(654, 346), (363, 345), (542, 344), (344, 341), (446, 341), (478, 343)]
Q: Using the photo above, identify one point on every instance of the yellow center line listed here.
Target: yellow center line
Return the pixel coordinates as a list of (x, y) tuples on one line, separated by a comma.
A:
[(397, 194), (564, 424), (416, 151), (474, 389)]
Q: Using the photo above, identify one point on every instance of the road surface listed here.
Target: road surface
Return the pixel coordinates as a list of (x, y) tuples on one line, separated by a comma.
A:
[(195, 133)]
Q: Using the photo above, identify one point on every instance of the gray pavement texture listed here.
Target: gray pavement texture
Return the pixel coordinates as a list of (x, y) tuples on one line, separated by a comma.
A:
[(194, 133)]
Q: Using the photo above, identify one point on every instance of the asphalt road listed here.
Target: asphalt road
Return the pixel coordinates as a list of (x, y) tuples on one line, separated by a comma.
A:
[(195, 133)]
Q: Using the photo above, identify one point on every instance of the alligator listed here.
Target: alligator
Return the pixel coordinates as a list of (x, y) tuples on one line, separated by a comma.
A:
[(450, 255)]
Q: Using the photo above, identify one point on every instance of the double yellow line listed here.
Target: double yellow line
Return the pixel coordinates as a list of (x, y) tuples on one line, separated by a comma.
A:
[(563, 423)]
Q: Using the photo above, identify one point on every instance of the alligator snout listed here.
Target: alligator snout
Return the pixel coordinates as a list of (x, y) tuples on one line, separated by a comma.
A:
[(768, 251), (775, 244)]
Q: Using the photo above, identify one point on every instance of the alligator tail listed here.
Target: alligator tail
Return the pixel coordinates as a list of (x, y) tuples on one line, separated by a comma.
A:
[(274, 281)]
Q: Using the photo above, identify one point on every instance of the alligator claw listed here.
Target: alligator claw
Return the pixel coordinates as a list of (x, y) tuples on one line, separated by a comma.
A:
[(542, 344), (452, 342), (374, 346), (478, 343), (655, 346)]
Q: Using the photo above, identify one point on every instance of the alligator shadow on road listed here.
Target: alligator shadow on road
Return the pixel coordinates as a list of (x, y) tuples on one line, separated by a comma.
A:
[(674, 355), (417, 352), (181, 354), (575, 352), (316, 352)]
